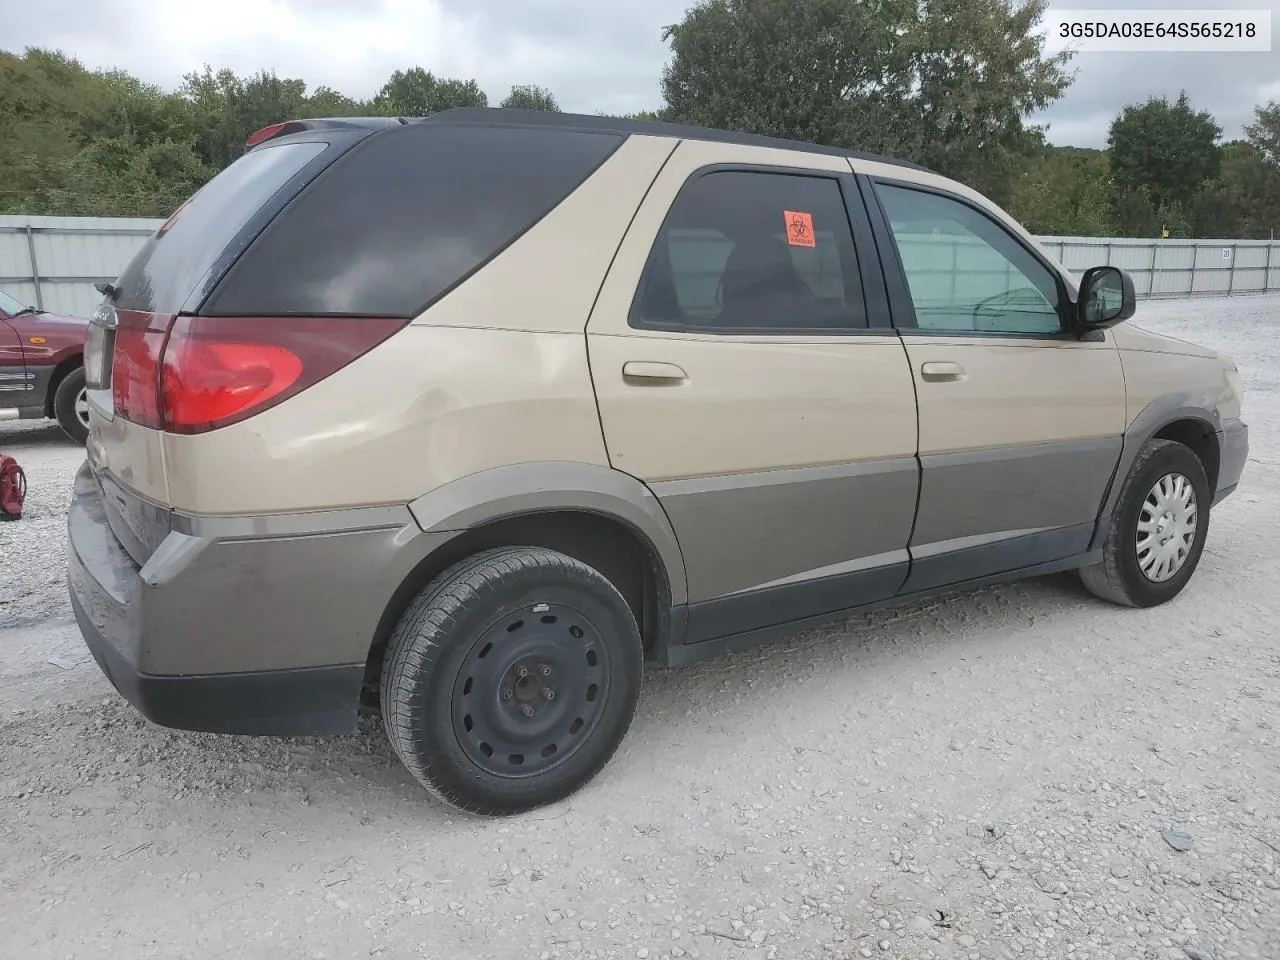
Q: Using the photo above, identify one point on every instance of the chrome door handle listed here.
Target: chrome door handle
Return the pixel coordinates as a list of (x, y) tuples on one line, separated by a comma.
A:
[(942, 371), (650, 372)]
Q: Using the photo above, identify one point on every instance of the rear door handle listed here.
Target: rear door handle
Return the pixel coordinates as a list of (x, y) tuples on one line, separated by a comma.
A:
[(942, 371), (651, 372)]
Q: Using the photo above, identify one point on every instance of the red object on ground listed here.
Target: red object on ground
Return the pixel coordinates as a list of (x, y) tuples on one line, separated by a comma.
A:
[(13, 488)]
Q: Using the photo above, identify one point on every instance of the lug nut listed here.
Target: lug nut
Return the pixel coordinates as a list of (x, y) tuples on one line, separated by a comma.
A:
[(527, 710), (507, 694), (522, 672), (548, 694), (545, 670)]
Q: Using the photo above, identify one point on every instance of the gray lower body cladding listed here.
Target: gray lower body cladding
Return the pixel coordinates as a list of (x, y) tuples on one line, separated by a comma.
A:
[(783, 546), (240, 633), (264, 624), (1233, 454)]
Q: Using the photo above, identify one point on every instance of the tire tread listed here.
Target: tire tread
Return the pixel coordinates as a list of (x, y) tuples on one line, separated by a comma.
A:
[(1105, 579), (432, 619)]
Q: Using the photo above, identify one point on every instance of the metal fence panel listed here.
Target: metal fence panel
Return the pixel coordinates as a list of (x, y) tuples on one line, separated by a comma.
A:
[(53, 262)]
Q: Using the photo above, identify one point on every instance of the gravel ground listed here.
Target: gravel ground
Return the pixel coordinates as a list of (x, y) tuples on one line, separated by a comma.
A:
[(1018, 772)]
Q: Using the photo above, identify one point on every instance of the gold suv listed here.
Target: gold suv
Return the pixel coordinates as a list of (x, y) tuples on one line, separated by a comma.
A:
[(463, 418)]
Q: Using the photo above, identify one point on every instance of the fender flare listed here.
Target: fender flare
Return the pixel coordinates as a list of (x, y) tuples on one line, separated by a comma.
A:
[(538, 487), (1153, 418)]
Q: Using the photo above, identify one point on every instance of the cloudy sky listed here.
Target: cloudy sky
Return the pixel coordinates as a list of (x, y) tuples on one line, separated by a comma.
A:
[(594, 54)]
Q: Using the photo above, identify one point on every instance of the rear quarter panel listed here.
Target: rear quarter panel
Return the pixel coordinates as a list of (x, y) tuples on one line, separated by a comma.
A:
[(493, 374), (427, 406)]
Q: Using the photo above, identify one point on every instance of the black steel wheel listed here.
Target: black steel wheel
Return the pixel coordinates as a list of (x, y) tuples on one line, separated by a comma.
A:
[(531, 690), (511, 680)]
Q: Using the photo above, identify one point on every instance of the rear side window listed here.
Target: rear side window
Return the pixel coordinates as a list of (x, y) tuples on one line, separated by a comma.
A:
[(165, 271), (742, 250), (406, 216)]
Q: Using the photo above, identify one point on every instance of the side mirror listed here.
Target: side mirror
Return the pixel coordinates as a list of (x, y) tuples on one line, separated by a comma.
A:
[(1106, 298)]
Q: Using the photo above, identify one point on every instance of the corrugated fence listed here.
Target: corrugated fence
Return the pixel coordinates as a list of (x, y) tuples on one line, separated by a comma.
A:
[(1177, 268), (53, 262)]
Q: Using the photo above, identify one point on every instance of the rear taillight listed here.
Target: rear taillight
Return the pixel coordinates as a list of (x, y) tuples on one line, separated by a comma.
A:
[(98, 346), (203, 373), (135, 369), (205, 383)]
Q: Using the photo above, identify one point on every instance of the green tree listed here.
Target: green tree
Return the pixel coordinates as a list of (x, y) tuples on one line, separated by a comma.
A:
[(324, 102), (1168, 148), (1243, 201), (1064, 191), (1135, 213), (1264, 133), (229, 108), (419, 93), (79, 142), (948, 85), (531, 97)]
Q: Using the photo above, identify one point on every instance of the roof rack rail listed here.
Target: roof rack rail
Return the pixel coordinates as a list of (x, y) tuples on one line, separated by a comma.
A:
[(657, 128)]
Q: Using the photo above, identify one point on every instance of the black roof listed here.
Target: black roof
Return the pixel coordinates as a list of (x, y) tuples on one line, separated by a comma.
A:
[(583, 122)]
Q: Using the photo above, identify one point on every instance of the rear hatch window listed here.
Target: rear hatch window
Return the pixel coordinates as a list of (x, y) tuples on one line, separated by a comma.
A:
[(186, 253), (404, 217)]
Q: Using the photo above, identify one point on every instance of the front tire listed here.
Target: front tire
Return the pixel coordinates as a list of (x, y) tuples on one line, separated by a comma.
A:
[(1158, 528), (511, 680), (71, 406)]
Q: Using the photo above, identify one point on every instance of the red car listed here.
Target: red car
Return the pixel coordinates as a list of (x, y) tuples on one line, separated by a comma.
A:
[(42, 367)]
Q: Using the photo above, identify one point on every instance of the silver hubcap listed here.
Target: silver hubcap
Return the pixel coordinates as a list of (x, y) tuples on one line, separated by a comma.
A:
[(82, 406), (1166, 527)]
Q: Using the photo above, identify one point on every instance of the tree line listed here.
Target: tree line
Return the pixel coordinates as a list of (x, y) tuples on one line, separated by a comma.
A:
[(946, 84)]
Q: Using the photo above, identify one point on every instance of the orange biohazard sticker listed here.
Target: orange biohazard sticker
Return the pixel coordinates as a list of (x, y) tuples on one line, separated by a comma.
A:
[(800, 229)]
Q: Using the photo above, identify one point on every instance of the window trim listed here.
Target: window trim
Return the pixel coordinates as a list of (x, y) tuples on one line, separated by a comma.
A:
[(859, 229), (902, 306), (338, 144)]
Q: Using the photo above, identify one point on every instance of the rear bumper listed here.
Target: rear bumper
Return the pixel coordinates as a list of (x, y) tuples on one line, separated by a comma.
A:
[(1233, 454), (235, 634), (286, 703)]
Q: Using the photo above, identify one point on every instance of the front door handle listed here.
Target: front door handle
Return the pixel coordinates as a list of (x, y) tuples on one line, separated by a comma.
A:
[(942, 371), (651, 372)]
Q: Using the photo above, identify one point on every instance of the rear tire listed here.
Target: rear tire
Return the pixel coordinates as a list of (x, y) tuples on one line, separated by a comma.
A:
[(70, 406), (1158, 528), (511, 680)]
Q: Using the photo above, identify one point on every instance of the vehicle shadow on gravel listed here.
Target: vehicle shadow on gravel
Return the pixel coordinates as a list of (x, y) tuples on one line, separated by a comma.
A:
[(129, 760), (17, 434)]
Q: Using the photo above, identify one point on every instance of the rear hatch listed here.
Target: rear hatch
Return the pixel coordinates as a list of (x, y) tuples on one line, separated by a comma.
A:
[(152, 308), (316, 246)]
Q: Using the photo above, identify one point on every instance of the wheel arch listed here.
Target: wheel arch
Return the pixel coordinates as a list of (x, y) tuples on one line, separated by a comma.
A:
[(1188, 419), (602, 517), (1199, 435), (60, 372)]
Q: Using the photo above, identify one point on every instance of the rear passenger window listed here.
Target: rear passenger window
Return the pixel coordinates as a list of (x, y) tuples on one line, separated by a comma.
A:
[(404, 217), (753, 251)]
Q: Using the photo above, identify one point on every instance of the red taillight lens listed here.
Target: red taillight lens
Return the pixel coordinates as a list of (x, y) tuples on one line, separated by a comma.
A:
[(219, 370), (135, 372), (205, 383)]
